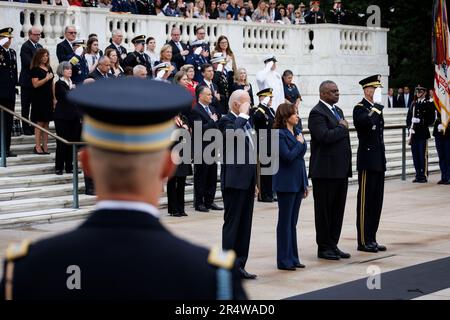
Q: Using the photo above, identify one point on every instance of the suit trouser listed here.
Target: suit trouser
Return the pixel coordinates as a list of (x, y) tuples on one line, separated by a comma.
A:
[(175, 194), (25, 101), (71, 131), (265, 187), (419, 148), (330, 196), (369, 205), (237, 224), (205, 183), (288, 211), (8, 118), (443, 149)]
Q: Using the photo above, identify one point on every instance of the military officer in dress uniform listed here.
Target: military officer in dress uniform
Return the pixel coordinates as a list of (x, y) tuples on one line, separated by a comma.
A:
[(421, 115), (80, 69), (442, 139), (123, 251), (371, 165), (263, 118), (8, 82), (221, 81), (198, 57), (138, 56), (315, 16), (338, 14)]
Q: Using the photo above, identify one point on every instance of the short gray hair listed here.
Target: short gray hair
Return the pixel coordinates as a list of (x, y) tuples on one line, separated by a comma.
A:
[(61, 67), (67, 28), (138, 68), (116, 32), (236, 96), (324, 84), (102, 59)]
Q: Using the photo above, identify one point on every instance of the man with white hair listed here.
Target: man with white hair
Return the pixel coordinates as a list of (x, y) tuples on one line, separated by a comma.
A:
[(238, 180), (269, 78), (140, 71), (116, 41)]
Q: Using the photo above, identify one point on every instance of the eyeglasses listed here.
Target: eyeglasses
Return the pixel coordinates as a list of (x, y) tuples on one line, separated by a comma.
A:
[(272, 3), (72, 32), (36, 34)]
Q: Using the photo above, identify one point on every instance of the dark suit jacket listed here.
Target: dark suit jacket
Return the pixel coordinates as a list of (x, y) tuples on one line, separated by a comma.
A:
[(121, 254), (215, 103), (177, 58), (64, 109), (331, 154), (97, 75), (277, 15), (234, 175), (291, 175), (64, 50), (402, 103), (199, 114), (394, 101), (26, 55)]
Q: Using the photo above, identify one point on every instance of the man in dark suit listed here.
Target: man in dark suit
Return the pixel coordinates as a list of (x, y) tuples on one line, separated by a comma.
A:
[(392, 99), (8, 82), (315, 15), (405, 100), (102, 70), (180, 51), (274, 13), (371, 165), (208, 81), (330, 167), (26, 54), (238, 180), (64, 49), (138, 56), (204, 116), (116, 41), (123, 251)]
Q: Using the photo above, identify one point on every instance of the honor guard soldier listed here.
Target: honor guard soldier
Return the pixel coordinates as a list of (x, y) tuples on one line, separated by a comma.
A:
[(421, 115), (8, 83), (371, 165), (138, 56), (80, 69), (123, 251), (442, 139), (263, 118), (221, 81), (338, 14)]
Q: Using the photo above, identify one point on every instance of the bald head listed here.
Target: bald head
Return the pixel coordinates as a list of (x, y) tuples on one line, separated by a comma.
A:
[(34, 34)]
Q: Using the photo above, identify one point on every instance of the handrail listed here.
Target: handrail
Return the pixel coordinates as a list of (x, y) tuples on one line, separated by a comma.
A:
[(75, 194)]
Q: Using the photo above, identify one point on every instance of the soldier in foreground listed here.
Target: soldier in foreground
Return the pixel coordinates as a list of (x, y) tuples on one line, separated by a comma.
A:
[(122, 251)]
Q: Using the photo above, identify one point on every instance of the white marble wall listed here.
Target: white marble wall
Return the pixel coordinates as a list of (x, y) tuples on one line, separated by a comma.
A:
[(344, 54)]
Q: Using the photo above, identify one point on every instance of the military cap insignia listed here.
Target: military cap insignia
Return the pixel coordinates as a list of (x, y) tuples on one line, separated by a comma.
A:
[(222, 259), (17, 250)]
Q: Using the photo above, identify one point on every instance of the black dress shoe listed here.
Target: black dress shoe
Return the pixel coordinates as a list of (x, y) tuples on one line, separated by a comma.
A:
[(266, 200), (368, 248), (214, 206), (300, 265), (58, 172), (443, 182), (11, 155), (201, 208), (90, 192), (380, 247), (342, 254), (37, 152), (328, 255), (183, 214), (245, 275), (287, 268), (176, 214), (420, 181)]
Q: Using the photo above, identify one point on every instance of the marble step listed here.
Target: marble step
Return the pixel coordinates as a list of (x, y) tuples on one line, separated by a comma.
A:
[(8, 182)]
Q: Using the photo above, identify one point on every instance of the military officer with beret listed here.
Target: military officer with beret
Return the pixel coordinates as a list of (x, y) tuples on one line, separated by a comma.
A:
[(138, 56), (371, 165), (421, 115), (123, 251), (8, 82), (263, 118)]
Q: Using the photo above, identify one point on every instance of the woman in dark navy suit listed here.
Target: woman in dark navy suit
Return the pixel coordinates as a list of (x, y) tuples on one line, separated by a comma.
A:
[(290, 184)]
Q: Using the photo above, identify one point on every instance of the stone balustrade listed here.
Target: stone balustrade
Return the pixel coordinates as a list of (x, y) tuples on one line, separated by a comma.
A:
[(344, 54)]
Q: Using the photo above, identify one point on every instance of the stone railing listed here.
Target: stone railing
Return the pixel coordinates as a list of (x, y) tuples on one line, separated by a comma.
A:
[(344, 54)]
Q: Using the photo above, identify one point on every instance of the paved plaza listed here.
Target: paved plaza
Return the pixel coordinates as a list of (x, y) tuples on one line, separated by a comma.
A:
[(415, 226)]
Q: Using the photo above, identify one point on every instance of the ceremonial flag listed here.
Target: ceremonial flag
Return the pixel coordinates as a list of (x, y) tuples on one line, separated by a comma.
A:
[(441, 59)]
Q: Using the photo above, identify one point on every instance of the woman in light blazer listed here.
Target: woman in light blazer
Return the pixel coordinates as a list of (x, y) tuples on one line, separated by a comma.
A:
[(290, 184)]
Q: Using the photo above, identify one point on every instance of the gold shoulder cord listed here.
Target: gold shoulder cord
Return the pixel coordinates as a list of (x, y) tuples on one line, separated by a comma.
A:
[(9, 280)]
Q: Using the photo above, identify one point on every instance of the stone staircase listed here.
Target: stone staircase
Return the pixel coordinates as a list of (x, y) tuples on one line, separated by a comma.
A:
[(30, 192)]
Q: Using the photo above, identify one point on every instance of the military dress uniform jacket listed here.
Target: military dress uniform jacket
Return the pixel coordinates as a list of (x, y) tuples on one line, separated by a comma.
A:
[(425, 111), (135, 58), (223, 89), (121, 254), (369, 125), (262, 119), (8, 74), (80, 69)]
